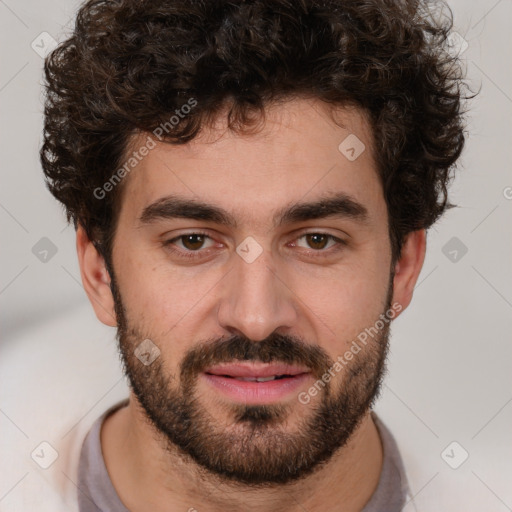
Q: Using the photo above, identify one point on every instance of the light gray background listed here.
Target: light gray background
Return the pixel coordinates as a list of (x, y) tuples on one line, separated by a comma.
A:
[(450, 365)]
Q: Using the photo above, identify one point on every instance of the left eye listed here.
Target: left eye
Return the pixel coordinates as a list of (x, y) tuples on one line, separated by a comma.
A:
[(318, 241)]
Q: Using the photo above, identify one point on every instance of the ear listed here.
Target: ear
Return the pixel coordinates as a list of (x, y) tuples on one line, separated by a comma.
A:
[(408, 267), (95, 278)]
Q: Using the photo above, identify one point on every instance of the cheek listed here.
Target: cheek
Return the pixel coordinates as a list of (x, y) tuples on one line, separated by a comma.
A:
[(343, 313), (345, 301), (160, 297)]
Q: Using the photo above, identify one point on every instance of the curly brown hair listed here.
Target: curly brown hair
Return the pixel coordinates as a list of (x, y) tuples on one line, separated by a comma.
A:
[(130, 64)]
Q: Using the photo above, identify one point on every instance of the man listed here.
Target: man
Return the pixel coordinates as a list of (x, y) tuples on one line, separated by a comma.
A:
[(251, 184)]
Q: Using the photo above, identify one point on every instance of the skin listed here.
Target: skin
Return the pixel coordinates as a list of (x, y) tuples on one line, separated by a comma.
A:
[(326, 300)]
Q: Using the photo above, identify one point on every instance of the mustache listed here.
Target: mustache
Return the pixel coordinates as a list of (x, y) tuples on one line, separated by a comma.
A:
[(276, 348)]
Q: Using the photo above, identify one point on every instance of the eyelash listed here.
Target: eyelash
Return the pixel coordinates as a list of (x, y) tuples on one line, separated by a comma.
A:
[(197, 254)]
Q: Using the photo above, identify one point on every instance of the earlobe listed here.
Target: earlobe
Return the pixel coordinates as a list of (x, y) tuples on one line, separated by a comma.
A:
[(408, 267), (95, 278)]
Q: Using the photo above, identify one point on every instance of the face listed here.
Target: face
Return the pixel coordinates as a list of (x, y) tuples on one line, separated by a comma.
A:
[(276, 269)]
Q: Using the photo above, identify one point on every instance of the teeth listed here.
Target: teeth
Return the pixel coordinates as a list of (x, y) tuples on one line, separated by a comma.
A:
[(256, 379)]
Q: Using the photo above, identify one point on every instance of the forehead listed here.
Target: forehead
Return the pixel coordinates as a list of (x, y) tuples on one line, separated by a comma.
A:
[(298, 153)]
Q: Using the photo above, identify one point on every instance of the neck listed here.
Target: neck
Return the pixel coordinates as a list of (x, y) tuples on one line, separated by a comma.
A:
[(147, 476)]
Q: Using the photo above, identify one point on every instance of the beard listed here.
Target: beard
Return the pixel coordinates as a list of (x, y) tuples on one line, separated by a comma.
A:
[(256, 445)]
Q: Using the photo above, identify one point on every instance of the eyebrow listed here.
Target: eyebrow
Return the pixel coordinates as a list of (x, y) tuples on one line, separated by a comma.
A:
[(340, 205)]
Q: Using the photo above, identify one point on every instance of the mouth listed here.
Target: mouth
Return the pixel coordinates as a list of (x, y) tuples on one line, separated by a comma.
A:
[(256, 383), (255, 379)]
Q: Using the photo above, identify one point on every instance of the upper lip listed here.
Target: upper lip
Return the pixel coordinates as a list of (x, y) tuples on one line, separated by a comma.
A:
[(255, 370)]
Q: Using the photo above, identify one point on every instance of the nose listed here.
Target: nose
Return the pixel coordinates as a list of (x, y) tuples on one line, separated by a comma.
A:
[(256, 300)]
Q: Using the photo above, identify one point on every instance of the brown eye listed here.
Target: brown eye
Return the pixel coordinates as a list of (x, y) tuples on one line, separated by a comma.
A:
[(318, 244), (189, 245), (317, 240), (192, 242)]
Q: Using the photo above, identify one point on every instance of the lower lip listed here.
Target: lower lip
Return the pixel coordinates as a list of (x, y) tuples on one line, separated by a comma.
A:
[(256, 392)]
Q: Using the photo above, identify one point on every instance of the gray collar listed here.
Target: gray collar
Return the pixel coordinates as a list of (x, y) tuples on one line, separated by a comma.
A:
[(96, 492)]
